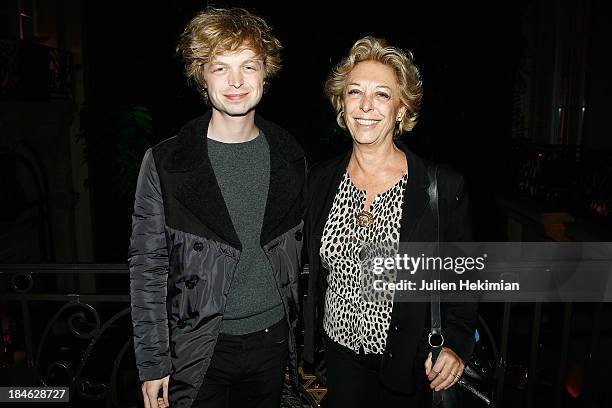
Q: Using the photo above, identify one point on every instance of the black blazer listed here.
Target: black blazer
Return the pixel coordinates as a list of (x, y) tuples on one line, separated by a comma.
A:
[(402, 366)]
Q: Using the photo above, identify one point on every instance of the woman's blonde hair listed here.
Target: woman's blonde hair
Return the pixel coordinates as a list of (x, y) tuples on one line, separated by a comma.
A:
[(406, 72), (215, 31)]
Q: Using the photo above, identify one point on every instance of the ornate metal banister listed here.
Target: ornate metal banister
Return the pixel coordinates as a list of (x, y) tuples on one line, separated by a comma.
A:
[(67, 328)]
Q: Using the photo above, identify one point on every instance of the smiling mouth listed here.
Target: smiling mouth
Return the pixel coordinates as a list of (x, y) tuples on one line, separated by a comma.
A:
[(235, 97), (366, 122)]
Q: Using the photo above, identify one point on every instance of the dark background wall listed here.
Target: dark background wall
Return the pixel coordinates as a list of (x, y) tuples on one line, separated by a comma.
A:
[(532, 72), (468, 56)]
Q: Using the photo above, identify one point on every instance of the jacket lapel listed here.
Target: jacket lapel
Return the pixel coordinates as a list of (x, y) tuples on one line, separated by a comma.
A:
[(327, 187), (199, 190), (415, 194), (287, 173), (416, 199)]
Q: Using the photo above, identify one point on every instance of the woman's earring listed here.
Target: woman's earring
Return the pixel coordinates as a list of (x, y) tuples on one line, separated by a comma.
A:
[(340, 119), (398, 123)]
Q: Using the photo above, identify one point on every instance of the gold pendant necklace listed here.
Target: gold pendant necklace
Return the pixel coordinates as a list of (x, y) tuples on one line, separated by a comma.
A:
[(365, 219)]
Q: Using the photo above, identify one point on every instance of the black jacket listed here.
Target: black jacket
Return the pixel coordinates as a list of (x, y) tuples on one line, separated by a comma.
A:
[(184, 250), (406, 349)]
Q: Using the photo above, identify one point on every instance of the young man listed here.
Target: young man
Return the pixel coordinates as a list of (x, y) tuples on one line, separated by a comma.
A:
[(217, 232)]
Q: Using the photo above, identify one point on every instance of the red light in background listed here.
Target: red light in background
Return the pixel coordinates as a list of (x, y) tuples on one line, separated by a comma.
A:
[(574, 379)]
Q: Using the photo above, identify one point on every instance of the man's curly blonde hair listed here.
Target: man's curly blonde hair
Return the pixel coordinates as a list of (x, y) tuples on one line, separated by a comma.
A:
[(406, 72), (215, 31)]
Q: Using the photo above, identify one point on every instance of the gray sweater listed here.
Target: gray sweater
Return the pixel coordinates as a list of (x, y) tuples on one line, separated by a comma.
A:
[(243, 173)]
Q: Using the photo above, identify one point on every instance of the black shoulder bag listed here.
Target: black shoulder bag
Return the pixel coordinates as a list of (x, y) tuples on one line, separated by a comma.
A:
[(446, 398)]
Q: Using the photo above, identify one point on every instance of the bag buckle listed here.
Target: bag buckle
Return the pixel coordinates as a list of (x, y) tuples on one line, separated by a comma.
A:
[(439, 337)]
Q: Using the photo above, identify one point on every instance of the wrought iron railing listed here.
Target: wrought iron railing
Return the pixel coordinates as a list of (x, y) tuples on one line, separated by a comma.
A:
[(69, 325)]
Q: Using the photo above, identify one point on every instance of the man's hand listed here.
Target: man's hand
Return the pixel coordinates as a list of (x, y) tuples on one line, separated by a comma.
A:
[(150, 392), (447, 370)]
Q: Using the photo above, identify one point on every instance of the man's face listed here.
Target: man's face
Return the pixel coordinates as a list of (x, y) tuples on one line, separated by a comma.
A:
[(234, 82)]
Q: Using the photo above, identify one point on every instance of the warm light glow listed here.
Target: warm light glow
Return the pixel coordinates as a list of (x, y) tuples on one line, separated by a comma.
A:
[(599, 208), (574, 379)]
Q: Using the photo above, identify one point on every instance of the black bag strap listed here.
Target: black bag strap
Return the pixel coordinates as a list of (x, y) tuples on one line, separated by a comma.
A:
[(435, 338)]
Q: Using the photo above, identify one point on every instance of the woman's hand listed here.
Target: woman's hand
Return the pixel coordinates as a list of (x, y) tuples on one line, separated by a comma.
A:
[(447, 370)]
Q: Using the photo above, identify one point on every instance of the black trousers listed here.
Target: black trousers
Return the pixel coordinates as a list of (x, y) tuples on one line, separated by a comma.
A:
[(353, 380), (246, 370)]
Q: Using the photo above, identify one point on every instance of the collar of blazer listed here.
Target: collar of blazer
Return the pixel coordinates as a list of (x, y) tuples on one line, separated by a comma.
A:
[(325, 179), (416, 199), (200, 192)]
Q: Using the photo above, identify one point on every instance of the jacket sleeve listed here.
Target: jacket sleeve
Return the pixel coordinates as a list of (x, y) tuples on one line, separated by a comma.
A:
[(298, 303), (459, 321), (311, 310), (148, 264)]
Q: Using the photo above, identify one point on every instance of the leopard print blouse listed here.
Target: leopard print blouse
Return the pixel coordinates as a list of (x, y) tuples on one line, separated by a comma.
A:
[(356, 316)]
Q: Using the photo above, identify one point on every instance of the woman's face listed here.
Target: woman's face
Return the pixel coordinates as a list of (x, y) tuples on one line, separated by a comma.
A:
[(371, 103)]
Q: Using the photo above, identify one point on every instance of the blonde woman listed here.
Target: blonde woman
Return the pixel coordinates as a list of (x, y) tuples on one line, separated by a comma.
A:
[(376, 352)]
